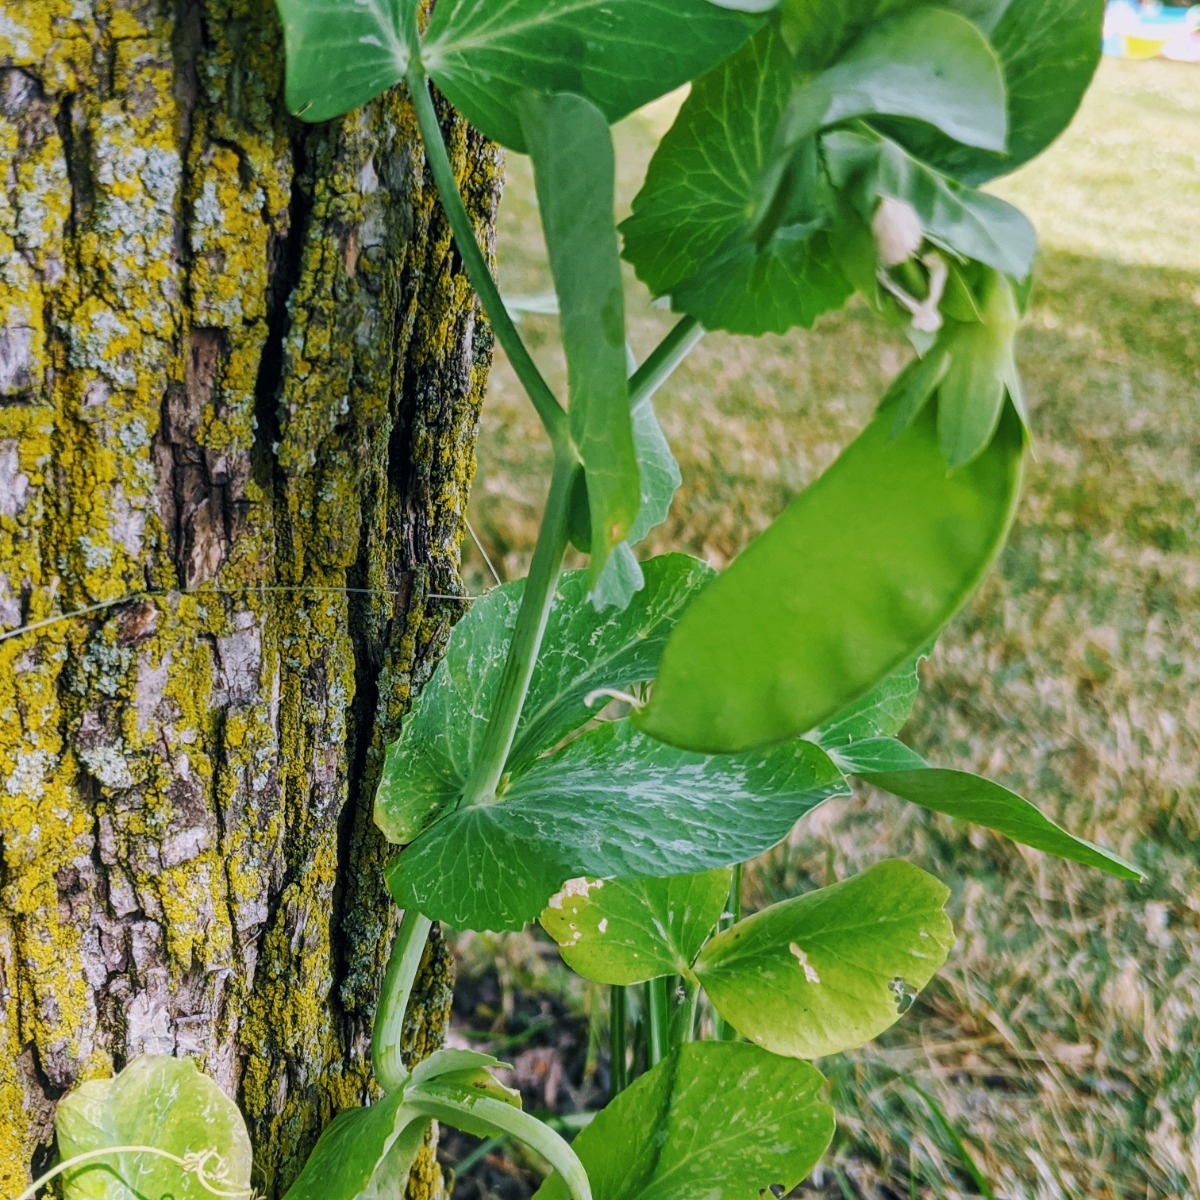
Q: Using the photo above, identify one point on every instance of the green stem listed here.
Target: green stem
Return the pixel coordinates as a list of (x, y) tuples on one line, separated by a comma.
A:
[(722, 1030), (683, 1018), (498, 1117), (618, 1016), (548, 408), (659, 1006), (663, 359), (403, 964), (526, 639)]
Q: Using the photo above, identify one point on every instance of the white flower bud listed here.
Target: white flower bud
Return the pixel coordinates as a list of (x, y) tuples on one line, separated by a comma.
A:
[(897, 231)]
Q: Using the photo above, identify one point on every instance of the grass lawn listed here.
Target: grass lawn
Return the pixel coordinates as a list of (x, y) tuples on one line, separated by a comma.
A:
[(1062, 1041)]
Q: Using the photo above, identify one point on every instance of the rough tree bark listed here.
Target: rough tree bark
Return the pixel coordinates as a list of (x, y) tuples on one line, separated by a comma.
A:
[(240, 373)]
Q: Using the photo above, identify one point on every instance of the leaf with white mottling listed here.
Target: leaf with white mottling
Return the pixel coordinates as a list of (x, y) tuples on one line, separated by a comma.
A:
[(613, 804), (716, 1120), (426, 769), (626, 931), (830, 970)]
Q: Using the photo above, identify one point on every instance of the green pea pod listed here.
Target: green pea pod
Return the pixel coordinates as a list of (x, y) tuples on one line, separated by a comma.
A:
[(860, 572)]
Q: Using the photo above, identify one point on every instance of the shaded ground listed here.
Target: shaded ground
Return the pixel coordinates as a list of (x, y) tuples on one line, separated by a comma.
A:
[(1060, 1042)]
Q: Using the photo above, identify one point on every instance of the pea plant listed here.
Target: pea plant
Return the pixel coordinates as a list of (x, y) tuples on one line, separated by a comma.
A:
[(602, 749)]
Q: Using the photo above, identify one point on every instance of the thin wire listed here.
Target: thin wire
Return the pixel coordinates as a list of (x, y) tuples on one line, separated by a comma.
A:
[(264, 589), (479, 547)]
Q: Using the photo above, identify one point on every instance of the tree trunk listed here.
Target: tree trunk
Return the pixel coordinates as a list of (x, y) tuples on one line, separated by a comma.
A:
[(240, 373)]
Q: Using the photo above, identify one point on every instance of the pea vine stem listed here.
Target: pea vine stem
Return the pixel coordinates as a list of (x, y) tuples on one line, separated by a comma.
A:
[(553, 416), (661, 362), (534, 611), (526, 639), (403, 963), (497, 1116)]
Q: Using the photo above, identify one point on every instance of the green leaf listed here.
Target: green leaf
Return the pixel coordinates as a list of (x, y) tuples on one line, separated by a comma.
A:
[(929, 65), (623, 650), (611, 804), (911, 389), (1049, 53), (692, 232), (660, 479), (363, 1154), (629, 930), (620, 54), (155, 1101), (883, 711), (572, 154), (620, 580), (980, 372), (895, 768), (749, 6), (426, 770), (714, 1119), (833, 969), (451, 1063), (860, 571), (968, 223), (342, 55)]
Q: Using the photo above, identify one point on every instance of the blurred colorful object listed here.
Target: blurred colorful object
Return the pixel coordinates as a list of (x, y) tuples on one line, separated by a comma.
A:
[(1152, 31)]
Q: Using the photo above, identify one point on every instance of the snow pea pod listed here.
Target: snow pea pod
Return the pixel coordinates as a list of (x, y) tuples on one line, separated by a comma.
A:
[(856, 575)]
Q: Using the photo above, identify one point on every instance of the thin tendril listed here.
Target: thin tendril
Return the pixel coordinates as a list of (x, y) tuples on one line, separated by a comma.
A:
[(192, 1164), (479, 547), (264, 589)]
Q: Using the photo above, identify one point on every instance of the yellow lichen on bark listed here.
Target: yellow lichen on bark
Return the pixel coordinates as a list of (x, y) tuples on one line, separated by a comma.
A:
[(240, 373)]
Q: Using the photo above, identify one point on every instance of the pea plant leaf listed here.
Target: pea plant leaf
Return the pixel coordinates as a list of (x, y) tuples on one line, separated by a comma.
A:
[(342, 55), (832, 969), (426, 769), (692, 235), (363, 1154), (929, 65), (883, 711), (620, 54), (717, 1119), (750, 6), (626, 931), (155, 1101), (1049, 54), (611, 804), (981, 373), (572, 154), (971, 368), (892, 766), (968, 223), (659, 475), (860, 572), (367, 1153), (453, 1063)]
